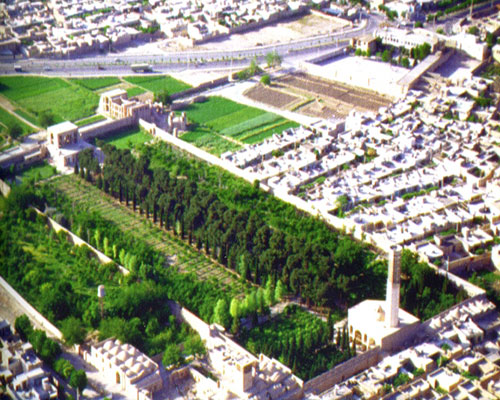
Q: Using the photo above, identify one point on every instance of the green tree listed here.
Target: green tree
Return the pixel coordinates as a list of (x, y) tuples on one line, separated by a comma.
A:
[(46, 119), (194, 346), (273, 59), (269, 293), (78, 380), (172, 356), (15, 131), (23, 327), (73, 331), (221, 313), (279, 291), (163, 97), (234, 308), (265, 80)]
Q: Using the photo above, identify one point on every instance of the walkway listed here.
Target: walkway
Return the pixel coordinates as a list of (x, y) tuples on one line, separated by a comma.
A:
[(7, 105)]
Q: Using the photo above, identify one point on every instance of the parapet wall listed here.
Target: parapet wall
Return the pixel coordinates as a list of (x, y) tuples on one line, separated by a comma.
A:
[(343, 371)]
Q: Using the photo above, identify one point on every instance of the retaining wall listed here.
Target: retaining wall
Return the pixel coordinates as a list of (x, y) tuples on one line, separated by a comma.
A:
[(200, 88), (31, 312), (343, 371)]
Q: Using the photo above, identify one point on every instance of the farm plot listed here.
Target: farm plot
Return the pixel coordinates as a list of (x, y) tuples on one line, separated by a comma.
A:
[(96, 83), (38, 172), (210, 141), (271, 96), (158, 84), (188, 259), (237, 122), (8, 121), (38, 95)]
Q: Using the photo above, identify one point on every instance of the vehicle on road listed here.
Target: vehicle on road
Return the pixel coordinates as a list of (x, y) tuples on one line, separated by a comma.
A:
[(141, 67), (18, 68)]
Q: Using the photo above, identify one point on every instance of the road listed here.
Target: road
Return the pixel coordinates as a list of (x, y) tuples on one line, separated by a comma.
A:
[(118, 64)]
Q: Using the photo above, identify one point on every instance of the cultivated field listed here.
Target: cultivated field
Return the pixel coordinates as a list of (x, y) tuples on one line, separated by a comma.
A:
[(184, 257), (38, 172), (232, 122), (7, 122), (37, 95), (158, 84), (337, 97), (273, 97), (74, 99)]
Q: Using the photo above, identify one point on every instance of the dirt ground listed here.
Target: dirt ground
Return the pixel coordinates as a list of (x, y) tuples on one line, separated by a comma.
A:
[(271, 96), (292, 29)]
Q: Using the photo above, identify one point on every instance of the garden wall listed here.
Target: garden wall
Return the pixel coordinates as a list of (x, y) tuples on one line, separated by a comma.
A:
[(343, 371), (200, 88), (105, 127), (77, 241), (30, 311)]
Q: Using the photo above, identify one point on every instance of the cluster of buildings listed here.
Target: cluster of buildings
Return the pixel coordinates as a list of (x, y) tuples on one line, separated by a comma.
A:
[(421, 173), (21, 371), (68, 28)]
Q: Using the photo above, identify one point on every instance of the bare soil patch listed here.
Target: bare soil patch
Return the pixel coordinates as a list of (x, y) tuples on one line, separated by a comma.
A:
[(270, 96)]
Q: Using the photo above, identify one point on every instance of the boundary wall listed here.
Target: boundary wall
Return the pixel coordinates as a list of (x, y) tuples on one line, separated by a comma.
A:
[(30, 311)]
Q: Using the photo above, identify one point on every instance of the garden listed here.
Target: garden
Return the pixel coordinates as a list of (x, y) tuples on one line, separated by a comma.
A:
[(128, 138), (218, 120), (158, 83)]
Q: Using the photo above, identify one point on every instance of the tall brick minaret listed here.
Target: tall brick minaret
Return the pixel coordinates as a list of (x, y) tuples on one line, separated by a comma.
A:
[(393, 286)]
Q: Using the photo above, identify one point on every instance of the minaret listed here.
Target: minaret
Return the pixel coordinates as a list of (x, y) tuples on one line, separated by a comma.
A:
[(393, 285)]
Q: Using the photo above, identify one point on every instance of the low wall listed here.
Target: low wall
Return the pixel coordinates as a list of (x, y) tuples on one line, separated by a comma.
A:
[(200, 88), (192, 320), (30, 311), (343, 371), (105, 127), (4, 188), (77, 241)]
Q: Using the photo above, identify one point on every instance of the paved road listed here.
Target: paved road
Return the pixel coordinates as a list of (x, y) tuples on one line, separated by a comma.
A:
[(117, 64)]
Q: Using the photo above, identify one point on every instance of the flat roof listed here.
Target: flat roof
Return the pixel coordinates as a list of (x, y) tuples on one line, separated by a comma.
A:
[(366, 314), (62, 127)]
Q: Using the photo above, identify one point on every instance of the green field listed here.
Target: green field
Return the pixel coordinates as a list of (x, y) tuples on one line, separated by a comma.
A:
[(135, 91), (90, 120), (209, 141), (27, 116), (96, 83), (38, 172), (129, 139), (157, 84), (240, 122), (7, 121), (37, 95)]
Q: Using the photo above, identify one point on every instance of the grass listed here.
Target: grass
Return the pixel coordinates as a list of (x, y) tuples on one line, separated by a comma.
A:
[(129, 138), (36, 95), (90, 120), (209, 141), (7, 121), (135, 91), (27, 116), (240, 122), (96, 83), (38, 172), (157, 84)]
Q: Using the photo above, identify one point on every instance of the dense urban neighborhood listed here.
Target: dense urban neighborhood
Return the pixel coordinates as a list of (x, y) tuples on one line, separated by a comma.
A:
[(249, 199)]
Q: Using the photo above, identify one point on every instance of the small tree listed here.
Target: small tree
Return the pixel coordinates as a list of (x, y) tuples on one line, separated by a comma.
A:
[(23, 326), (46, 119), (265, 80), (73, 331), (221, 313), (172, 356), (273, 59), (78, 380), (15, 131), (279, 291)]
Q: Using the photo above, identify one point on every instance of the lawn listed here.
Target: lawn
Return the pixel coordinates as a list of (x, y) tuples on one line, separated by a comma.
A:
[(38, 172), (129, 139), (96, 83), (37, 95), (8, 120), (157, 84)]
